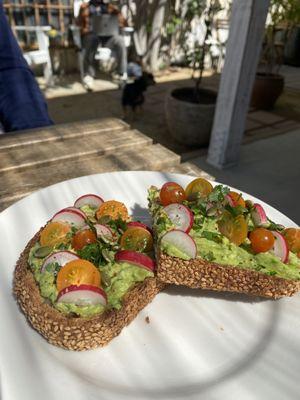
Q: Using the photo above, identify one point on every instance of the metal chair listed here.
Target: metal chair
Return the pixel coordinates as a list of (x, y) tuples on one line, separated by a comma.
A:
[(42, 55)]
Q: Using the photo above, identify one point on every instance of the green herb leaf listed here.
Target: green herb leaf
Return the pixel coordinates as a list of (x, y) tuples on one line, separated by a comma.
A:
[(42, 251), (235, 211), (209, 256), (218, 194), (212, 236)]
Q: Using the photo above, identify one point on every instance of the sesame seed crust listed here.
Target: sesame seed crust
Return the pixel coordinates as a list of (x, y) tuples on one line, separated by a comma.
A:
[(201, 274), (75, 333)]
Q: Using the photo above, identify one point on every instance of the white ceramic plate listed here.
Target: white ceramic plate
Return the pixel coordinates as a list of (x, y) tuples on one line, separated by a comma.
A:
[(197, 345)]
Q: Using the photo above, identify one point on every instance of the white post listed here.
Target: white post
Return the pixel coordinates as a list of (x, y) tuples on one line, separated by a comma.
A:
[(242, 55)]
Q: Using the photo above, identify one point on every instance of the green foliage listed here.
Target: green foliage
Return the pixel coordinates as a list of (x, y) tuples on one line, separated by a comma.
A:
[(283, 17)]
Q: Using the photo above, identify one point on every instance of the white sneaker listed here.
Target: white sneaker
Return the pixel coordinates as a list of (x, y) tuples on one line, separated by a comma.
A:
[(118, 77), (88, 82)]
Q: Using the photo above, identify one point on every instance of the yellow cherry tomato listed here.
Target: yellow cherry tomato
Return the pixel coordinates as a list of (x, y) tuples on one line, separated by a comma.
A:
[(292, 237), (55, 233), (113, 209), (137, 239), (234, 228), (199, 185), (237, 199), (78, 272)]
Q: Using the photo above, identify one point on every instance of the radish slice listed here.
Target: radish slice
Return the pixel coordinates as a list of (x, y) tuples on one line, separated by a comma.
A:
[(140, 225), (84, 227), (229, 200), (82, 295), (76, 210), (91, 200), (259, 216), (138, 259), (71, 217), (180, 216), (60, 257), (181, 241), (280, 248), (103, 230)]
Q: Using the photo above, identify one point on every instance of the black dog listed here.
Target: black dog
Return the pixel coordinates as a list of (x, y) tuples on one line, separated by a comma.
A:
[(133, 93)]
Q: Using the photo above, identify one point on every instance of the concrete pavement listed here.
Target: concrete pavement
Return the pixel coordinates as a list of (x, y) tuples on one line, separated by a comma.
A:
[(268, 169)]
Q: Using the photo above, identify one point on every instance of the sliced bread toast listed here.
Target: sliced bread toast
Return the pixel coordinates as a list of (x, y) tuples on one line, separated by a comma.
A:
[(181, 233), (76, 333), (201, 274)]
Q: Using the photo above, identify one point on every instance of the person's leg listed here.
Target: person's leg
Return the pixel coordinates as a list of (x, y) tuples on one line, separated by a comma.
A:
[(117, 44), (90, 43)]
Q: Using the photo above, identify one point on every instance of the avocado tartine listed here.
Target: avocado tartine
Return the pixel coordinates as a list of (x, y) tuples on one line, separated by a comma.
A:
[(86, 274), (211, 238)]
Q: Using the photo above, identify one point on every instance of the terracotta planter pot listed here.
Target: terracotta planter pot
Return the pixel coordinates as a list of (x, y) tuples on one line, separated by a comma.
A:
[(266, 90), (190, 122)]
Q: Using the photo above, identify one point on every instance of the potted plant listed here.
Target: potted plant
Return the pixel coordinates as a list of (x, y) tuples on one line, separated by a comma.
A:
[(283, 16), (190, 110)]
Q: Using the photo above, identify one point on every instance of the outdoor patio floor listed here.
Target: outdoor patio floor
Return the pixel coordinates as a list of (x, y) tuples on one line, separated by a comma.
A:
[(69, 102), (268, 169), (269, 165)]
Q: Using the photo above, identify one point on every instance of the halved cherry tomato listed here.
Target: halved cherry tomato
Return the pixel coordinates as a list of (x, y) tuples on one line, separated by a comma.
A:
[(137, 239), (234, 228), (292, 237), (114, 209), (237, 199), (82, 238), (171, 193), (55, 233), (78, 272), (261, 240), (199, 185)]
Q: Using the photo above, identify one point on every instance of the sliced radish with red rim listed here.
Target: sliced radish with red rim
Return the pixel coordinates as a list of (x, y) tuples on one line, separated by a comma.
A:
[(280, 248), (76, 210), (181, 241), (136, 258), (103, 230), (91, 200), (72, 217), (180, 216), (60, 257), (259, 216), (82, 295), (229, 200)]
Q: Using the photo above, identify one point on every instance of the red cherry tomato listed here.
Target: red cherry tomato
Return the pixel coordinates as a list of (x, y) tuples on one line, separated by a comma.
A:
[(261, 240), (82, 238), (171, 193)]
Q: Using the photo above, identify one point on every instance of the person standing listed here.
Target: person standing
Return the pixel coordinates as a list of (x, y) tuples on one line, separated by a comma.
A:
[(90, 40), (22, 104)]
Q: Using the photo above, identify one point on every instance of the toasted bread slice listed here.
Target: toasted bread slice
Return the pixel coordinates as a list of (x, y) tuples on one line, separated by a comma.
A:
[(199, 273), (195, 271), (71, 332)]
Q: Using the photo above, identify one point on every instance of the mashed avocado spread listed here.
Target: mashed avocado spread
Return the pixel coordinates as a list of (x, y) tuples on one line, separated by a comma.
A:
[(216, 248), (89, 211), (119, 278)]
